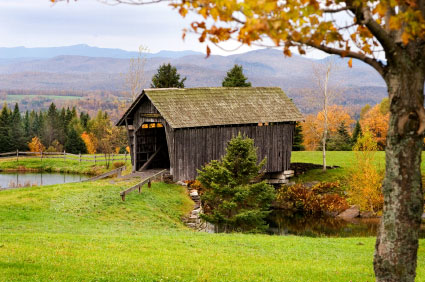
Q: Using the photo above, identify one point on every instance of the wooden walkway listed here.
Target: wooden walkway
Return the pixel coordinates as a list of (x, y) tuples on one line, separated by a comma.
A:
[(147, 177)]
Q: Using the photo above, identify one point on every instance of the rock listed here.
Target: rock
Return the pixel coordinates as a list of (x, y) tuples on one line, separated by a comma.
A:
[(196, 212), (192, 225), (181, 183), (194, 193), (350, 213), (367, 214)]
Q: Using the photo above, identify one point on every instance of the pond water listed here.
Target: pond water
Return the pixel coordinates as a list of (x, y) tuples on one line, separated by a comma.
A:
[(24, 179), (280, 223)]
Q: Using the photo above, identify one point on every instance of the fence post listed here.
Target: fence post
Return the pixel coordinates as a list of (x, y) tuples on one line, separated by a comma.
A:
[(125, 158), (80, 157), (41, 154), (64, 155), (94, 158), (17, 155)]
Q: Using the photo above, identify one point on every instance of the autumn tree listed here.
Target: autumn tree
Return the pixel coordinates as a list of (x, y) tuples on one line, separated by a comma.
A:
[(35, 145), (236, 78), (167, 77), (376, 120), (359, 30)]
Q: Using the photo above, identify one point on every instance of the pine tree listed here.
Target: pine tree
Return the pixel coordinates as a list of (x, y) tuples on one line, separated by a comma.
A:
[(5, 128), (235, 78), (341, 141), (357, 132), (167, 77), (16, 133), (74, 143), (298, 138), (231, 201)]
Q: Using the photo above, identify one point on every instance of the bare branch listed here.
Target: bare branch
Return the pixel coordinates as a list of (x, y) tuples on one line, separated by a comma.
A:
[(336, 10), (378, 66)]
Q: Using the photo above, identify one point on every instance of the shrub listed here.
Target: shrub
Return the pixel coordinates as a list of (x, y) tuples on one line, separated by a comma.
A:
[(320, 199), (231, 201), (118, 164), (365, 179)]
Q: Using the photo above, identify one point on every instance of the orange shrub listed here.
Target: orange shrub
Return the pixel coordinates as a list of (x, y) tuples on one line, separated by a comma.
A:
[(35, 145)]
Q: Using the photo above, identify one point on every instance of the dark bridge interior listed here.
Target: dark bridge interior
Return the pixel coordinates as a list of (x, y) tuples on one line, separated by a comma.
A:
[(152, 147)]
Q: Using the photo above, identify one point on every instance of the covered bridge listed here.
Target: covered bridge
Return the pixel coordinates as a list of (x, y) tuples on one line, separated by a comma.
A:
[(183, 129)]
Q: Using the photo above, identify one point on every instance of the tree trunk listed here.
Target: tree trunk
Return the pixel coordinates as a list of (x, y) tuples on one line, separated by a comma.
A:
[(397, 242)]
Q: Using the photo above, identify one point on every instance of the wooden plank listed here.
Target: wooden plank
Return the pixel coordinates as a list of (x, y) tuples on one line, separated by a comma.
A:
[(148, 162), (104, 175)]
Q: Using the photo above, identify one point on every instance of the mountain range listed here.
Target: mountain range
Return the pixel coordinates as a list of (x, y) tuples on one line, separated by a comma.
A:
[(85, 68)]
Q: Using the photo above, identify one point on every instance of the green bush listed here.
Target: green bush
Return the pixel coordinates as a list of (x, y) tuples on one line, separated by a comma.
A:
[(232, 202)]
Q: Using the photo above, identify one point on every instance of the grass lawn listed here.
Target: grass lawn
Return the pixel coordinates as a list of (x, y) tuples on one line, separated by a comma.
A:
[(84, 232), (55, 165)]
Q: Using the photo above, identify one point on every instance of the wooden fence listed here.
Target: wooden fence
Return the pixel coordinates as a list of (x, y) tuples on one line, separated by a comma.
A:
[(65, 156), (143, 182), (116, 171)]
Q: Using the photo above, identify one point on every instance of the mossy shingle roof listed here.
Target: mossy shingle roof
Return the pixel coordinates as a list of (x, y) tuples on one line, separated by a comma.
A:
[(198, 107)]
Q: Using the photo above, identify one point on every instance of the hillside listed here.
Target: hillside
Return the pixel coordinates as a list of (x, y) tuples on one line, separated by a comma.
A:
[(73, 71)]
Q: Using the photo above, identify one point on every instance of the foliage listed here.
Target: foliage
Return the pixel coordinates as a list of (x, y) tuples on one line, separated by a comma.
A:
[(322, 198), (298, 138), (35, 145), (341, 141), (376, 120), (365, 179), (74, 143), (231, 201), (118, 164), (167, 77), (313, 126), (235, 78), (90, 141), (357, 132)]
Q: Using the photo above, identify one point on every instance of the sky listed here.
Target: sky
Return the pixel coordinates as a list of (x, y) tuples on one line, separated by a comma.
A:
[(39, 23)]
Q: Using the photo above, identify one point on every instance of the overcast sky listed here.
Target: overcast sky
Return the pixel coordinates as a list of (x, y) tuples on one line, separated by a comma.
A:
[(38, 23)]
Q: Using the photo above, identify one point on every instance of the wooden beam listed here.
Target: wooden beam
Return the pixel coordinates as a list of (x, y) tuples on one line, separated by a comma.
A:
[(145, 165)]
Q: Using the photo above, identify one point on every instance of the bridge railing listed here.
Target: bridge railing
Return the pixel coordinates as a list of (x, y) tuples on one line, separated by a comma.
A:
[(139, 185)]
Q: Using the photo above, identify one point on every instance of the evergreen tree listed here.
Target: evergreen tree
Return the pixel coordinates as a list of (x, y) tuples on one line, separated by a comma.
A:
[(84, 120), (298, 138), (341, 141), (52, 129), (5, 128), (74, 143), (16, 133), (167, 77), (235, 78), (357, 132), (27, 127), (231, 201)]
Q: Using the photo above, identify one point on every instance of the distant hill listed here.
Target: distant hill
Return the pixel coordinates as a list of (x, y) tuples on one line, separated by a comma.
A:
[(86, 68), (83, 50)]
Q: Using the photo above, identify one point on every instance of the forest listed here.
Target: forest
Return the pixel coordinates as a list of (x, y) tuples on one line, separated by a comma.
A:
[(56, 130)]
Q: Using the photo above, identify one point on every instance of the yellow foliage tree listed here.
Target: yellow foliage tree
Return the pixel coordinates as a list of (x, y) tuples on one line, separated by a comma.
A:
[(35, 145), (313, 126), (365, 179), (376, 119), (90, 141)]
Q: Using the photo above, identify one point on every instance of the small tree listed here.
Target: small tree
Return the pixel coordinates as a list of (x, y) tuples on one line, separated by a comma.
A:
[(231, 201), (235, 78), (35, 145), (167, 77), (298, 138), (74, 143), (341, 141), (357, 132)]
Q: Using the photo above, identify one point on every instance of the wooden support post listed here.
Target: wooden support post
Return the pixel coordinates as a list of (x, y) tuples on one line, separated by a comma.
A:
[(80, 157), (140, 188), (149, 184), (94, 158), (41, 158), (123, 197), (64, 155), (17, 155), (125, 157), (147, 163)]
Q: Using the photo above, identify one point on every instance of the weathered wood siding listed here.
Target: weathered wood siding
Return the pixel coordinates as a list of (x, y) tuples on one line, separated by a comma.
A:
[(194, 147)]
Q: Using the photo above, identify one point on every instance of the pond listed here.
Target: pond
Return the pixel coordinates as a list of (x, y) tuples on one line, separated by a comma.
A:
[(25, 179), (281, 223)]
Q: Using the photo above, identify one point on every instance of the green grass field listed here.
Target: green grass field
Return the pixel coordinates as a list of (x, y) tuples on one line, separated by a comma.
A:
[(84, 232), (56, 165)]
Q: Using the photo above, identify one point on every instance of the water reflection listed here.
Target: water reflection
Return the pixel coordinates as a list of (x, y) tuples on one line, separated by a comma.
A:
[(283, 223), (19, 179)]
